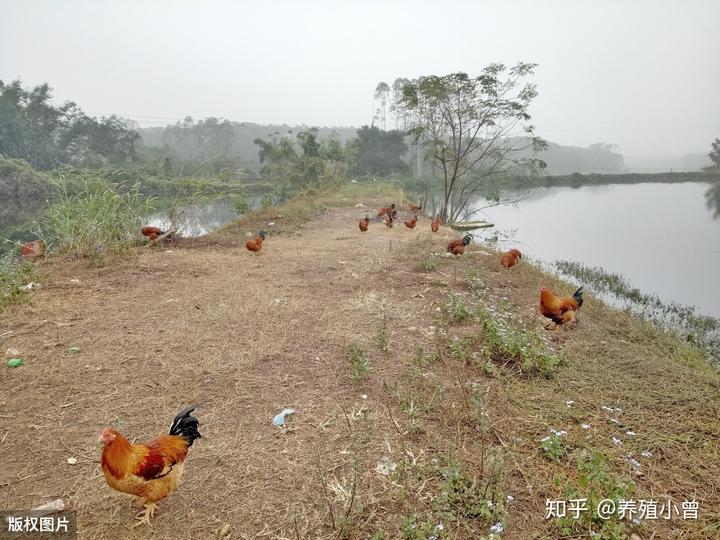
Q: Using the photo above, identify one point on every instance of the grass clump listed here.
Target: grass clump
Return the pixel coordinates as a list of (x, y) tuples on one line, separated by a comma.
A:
[(594, 483), (476, 282), (429, 264), (456, 308), (529, 351), (359, 363), (14, 276), (553, 446), (382, 338), (97, 222)]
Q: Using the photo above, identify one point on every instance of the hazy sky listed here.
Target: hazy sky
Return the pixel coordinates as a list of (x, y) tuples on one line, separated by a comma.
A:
[(643, 74)]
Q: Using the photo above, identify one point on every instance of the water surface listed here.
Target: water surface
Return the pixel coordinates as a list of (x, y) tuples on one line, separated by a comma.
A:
[(663, 238)]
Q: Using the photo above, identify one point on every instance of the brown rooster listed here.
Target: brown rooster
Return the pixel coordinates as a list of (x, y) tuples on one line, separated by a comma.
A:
[(560, 309), (410, 223), (256, 243), (510, 259), (32, 250), (457, 247), (149, 471), (390, 211), (151, 232), (435, 225)]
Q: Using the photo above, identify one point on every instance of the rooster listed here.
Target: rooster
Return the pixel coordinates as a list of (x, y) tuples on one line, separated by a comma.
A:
[(255, 244), (510, 259), (410, 223), (435, 225), (364, 223), (560, 310), (33, 250), (414, 208), (152, 232), (457, 247), (149, 471), (390, 211)]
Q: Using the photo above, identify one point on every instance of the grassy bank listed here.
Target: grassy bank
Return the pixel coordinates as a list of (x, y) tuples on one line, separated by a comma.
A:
[(431, 400)]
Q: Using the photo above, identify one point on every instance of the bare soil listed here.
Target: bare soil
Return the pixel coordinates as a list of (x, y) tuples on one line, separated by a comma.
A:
[(244, 336)]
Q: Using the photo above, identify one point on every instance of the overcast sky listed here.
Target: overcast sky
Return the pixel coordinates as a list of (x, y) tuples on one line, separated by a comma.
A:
[(642, 74)]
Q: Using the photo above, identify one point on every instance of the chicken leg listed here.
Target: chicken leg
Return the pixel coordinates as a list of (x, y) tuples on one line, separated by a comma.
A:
[(144, 516)]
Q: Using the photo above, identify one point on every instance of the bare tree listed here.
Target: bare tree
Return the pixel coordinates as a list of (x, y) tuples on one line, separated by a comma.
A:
[(473, 129)]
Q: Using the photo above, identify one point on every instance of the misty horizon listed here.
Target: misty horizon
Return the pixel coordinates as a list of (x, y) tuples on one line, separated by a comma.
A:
[(318, 65)]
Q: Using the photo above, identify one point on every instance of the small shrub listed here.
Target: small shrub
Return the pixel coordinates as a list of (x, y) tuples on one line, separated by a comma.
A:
[(460, 348), (473, 498), (476, 283), (382, 339), (14, 276), (358, 360), (553, 446), (594, 482), (528, 350), (429, 264), (456, 308)]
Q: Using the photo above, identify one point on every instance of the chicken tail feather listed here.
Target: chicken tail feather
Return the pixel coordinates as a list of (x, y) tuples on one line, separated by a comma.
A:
[(578, 296), (186, 426)]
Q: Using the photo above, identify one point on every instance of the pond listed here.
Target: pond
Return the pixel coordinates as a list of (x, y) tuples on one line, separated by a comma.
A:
[(663, 238)]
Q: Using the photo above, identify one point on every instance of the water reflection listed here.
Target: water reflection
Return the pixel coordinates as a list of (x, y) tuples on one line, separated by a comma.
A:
[(712, 199)]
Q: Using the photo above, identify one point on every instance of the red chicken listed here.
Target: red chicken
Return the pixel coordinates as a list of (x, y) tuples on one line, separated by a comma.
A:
[(435, 225), (152, 232), (149, 471), (560, 309), (33, 250), (364, 223), (256, 243), (510, 259), (457, 247), (410, 223)]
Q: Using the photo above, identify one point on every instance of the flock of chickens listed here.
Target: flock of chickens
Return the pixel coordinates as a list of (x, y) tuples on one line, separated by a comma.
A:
[(151, 471), (558, 309)]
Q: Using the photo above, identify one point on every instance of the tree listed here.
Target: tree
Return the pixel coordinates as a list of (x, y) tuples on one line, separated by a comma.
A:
[(472, 128), (382, 92), (380, 152), (33, 129), (714, 154)]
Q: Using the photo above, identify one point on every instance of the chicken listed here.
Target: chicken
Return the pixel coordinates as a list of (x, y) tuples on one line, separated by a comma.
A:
[(435, 225), (388, 222), (152, 232), (414, 208), (148, 471), (560, 310), (256, 243), (364, 223), (390, 211), (410, 223), (457, 247), (33, 250), (510, 259)]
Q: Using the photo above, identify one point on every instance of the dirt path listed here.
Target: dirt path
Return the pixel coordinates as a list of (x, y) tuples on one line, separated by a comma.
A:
[(243, 336)]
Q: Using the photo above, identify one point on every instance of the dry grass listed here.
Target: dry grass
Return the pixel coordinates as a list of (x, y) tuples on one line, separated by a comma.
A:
[(244, 336)]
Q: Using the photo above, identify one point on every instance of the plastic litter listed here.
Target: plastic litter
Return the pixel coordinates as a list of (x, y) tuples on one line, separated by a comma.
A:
[(279, 419), (74, 349), (15, 362)]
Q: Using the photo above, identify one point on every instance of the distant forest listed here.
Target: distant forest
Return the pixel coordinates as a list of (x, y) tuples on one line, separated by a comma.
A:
[(205, 140)]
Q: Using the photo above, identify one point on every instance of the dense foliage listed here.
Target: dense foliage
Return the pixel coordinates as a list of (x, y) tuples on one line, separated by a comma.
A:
[(46, 136), (472, 128)]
